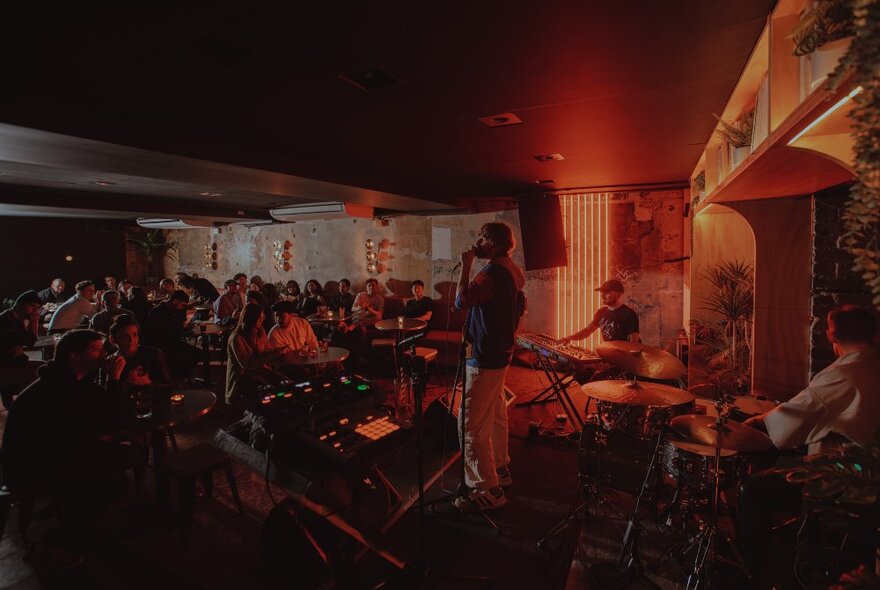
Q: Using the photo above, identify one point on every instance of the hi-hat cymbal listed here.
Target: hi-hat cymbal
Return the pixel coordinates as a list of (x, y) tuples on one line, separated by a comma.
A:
[(731, 435), (642, 360), (637, 394)]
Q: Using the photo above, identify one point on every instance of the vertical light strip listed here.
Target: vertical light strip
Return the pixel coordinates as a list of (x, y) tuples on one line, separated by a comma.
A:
[(586, 222)]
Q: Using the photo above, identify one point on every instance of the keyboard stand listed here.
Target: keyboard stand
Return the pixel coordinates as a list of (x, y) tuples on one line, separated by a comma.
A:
[(557, 391)]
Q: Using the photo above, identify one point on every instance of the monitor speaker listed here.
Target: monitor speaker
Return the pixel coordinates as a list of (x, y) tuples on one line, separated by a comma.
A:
[(540, 221)]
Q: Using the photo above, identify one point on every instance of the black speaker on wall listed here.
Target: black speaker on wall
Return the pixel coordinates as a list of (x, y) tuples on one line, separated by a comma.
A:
[(540, 222)]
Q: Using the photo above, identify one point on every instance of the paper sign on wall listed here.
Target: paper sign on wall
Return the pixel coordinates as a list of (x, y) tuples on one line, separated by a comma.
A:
[(441, 243)]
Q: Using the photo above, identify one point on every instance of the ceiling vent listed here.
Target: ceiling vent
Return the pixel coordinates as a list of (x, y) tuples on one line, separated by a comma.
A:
[(548, 157), (501, 120), (371, 79), (309, 211), (159, 223)]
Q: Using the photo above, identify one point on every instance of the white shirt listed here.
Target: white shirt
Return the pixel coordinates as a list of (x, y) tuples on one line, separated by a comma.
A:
[(70, 313), (299, 332), (844, 399)]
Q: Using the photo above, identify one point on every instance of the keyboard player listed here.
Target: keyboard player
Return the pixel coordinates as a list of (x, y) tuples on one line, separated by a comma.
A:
[(614, 320)]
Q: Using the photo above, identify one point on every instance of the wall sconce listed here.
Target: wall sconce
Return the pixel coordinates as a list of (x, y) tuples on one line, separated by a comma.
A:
[(282, 255), (211, 256), (371, 256)]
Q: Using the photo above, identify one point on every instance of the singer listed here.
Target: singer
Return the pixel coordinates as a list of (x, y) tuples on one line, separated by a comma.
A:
[(495, 301)]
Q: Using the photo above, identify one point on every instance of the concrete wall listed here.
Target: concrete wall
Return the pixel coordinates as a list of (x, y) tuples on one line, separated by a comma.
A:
[(332, 249)]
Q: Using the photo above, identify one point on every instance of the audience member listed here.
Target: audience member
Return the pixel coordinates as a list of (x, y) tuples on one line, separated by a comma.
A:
[(125, 287), (101, 321), (293, 294), (343, 299), (256, 283), (419, 307), (228, 306), (270, 292), (144, 365), (166, 288), (368, 305), (242, 280), (73, 311), (138, 305), (111, 283), (18, 328), (249, 354), (164, 330), (291, 330), (313, 298), (52, 444), (201, 289), (54, 293)]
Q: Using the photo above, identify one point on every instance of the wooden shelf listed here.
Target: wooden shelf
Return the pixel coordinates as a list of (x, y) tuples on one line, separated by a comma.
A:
[(820, 158)]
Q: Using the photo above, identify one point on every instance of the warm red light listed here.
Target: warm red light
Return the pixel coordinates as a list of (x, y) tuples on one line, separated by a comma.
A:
[(585, 225)]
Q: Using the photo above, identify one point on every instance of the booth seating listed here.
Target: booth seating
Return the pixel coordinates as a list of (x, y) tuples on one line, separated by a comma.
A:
[(445, 342)]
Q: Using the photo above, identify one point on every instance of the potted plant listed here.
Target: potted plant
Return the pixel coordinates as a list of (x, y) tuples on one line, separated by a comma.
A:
[(824, 34), (738, 136), (725, 339), (698, 189)]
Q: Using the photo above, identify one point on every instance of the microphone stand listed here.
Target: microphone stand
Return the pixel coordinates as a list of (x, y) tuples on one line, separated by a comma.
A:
[(418, 375)]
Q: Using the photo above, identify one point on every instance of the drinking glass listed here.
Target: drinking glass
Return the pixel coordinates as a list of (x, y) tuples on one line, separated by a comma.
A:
[(143, 403)]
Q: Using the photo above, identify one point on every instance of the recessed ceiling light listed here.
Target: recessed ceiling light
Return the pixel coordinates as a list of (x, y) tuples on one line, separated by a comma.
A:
[(68, 258), (370, 79), (207, 194), (501, 120), (273, 204), (548, 157), (103, 183), (546, 181)]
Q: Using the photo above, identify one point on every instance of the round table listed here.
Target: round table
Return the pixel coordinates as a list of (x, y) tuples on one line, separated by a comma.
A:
[(334, 354), (165, 415), (395, 325), (46, 346), (327, 319)]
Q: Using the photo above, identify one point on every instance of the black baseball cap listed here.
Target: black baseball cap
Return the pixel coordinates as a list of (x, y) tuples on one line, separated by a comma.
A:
[(28, 297), (611, 285)]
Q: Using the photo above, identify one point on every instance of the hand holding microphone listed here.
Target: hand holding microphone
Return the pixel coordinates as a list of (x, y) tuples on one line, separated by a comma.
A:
[(467, 257)]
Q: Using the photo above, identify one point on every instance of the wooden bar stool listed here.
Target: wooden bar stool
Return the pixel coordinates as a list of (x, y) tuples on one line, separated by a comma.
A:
[(198, 462), (423, 355)]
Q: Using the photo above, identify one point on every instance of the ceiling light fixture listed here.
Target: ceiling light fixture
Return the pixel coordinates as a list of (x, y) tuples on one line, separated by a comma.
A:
[(208, 194), (548, 157), (103, 183), (546, 181), (501, 120)]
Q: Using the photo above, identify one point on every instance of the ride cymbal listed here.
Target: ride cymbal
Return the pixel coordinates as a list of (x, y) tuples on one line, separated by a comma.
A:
[(637, 393), (642, 360), (731, 435)]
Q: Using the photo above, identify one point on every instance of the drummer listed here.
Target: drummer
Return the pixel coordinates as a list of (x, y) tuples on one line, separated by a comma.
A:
[(615, 319), (840, 406)]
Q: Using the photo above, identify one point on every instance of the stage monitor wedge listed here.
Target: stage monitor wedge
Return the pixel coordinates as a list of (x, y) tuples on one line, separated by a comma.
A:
[(543, 242)]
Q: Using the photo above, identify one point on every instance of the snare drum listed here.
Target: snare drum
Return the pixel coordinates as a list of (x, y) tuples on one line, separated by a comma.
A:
[(691, 463)]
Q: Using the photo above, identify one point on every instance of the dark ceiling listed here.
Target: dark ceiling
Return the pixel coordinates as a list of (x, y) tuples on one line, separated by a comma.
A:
[(246, 100)]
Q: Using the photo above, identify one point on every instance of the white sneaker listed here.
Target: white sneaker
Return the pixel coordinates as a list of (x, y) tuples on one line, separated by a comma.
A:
[(481, 500)]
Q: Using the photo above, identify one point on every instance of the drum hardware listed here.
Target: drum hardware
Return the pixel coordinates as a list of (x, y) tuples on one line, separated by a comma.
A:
[(718, 433)]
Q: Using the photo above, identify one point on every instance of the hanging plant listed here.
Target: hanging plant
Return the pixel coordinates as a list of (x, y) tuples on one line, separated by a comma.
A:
[(861, 216), (829, 21)]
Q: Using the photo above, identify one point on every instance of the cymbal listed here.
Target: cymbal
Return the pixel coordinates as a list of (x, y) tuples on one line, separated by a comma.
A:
[(642, 360), (733, 436), (637, 394)]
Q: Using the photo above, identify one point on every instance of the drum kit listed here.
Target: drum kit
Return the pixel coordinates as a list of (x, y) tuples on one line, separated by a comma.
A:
[(703, 452)]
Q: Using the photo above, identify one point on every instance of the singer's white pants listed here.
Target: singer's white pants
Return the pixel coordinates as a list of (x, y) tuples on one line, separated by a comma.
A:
[(485, 427)]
